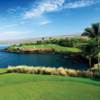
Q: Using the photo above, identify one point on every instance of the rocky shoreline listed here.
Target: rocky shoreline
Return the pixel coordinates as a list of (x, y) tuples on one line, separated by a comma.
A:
[(30, 50)]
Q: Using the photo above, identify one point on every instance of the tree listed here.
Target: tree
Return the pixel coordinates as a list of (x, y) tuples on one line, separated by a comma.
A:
[(92, 48), (43, 38), (93, 31)]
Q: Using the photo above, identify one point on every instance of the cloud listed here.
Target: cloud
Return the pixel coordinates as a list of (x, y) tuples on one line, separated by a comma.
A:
[(55, 5), (42, 7), (80, 3), (44, 22), (17, 9)]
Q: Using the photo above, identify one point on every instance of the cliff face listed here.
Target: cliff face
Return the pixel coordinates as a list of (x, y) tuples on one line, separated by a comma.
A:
[(31, 50)]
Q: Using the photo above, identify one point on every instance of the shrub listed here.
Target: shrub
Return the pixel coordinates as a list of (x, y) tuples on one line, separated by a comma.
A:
[(53, 71), (11, 69), (96, 75), (85, 74), (96, 68), (96, 71), (71, 72), (61, 71)]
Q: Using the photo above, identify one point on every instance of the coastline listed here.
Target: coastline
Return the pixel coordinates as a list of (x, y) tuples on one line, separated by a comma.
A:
[(76, 56)]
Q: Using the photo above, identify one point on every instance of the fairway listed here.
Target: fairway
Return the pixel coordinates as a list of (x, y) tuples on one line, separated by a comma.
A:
[(46, 87)]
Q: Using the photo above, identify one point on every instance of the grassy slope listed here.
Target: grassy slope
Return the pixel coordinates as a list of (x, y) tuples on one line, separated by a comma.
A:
[(56, 47), (44, 87)]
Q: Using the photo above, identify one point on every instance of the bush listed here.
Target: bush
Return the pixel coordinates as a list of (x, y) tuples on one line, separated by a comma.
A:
[(61, 71), (71, 72), (96, 68), (96, 75), (52, 71), (85, 74)]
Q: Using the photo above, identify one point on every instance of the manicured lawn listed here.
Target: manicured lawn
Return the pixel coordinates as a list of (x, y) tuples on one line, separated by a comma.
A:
[(45, 87), (2, 70), (55, 47)]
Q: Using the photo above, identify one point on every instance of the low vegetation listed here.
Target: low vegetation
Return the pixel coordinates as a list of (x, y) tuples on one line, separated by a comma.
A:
[(96, 67), (52, 71)]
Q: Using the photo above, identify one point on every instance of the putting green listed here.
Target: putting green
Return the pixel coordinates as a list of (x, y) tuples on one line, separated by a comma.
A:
[(46, 87)]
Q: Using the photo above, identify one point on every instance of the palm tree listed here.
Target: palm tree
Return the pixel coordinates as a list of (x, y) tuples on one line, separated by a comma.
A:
[(93, 31), (90, 50)]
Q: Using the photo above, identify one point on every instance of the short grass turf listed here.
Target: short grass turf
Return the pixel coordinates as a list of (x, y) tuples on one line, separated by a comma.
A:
[(46, 87)]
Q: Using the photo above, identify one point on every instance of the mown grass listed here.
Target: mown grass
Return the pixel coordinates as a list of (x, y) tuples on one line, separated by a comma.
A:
[(57, 48), (46, 87), (3, 70)]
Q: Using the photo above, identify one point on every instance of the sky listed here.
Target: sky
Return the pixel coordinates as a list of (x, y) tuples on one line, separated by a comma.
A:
[(21, 19)]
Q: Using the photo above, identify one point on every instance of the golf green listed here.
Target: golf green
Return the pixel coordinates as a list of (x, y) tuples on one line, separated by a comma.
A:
[(45, 87)]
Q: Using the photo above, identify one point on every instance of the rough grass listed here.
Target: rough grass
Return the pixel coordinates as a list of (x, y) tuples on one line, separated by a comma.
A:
[(57, 48), (45, 87), (50, 71)]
